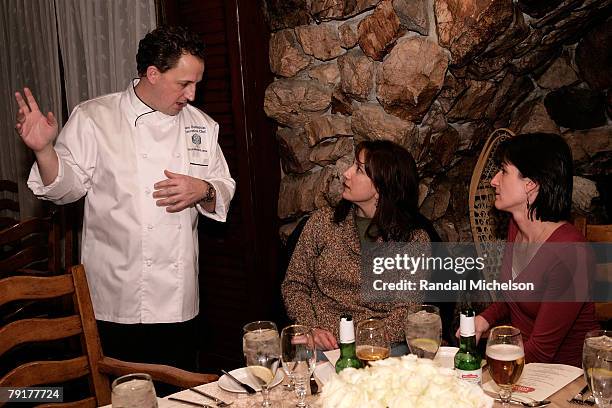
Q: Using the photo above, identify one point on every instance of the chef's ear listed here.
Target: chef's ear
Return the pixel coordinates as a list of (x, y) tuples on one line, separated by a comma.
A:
[(153, 74)]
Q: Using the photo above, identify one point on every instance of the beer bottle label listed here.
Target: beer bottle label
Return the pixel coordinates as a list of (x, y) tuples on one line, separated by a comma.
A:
[(471, 376)]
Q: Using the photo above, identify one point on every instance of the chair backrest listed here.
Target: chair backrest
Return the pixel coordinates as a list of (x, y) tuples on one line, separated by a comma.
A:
[(31, 245), (9, 204), (598, 233), (594, 232), (84, 359), (24, 333), (484, 218)]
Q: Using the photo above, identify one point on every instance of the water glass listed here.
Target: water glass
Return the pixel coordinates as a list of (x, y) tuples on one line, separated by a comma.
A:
[(423, 329), (133, 390), (594, 341), (601, 378), (261, 347)]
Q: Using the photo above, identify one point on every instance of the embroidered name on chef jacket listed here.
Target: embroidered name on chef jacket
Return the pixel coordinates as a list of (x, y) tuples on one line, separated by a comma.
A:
[(196, 145)]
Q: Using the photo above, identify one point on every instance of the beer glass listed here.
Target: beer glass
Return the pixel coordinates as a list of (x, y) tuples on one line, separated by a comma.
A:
[(594, 341), (506, 359), (601, 378), (299, 357), (371, 341), (423, 329), (261, 347), (133, 390)]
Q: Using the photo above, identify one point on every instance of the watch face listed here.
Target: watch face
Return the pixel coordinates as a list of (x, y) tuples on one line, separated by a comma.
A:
[(210, 193)]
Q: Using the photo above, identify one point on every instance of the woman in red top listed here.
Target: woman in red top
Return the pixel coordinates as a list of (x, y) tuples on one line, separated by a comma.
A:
[(535, 187)]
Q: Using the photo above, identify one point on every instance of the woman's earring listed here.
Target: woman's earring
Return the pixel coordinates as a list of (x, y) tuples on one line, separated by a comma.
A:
[(528, 204)]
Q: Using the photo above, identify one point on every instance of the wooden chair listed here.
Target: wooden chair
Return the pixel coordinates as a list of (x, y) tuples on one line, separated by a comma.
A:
[(594, 232), (9, 207), (31, 247), (91, 361), (598, 233)]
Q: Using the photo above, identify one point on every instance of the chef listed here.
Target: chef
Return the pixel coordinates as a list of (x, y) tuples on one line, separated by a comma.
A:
[(147, 163)]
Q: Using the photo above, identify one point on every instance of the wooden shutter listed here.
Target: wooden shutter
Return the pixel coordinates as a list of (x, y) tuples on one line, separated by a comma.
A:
[(238, 259)]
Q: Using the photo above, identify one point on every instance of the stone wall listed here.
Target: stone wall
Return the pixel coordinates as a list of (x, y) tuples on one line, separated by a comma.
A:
[(436, 76)]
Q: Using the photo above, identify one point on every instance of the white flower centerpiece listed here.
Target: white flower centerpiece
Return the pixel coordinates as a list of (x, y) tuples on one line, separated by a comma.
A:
[(403, 382)]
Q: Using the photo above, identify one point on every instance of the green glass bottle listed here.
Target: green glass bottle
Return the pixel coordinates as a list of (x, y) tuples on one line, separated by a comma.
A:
[(348, 350), (468, 358)]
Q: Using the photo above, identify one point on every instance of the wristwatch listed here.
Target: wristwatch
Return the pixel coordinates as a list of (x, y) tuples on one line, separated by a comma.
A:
[(210, 193)]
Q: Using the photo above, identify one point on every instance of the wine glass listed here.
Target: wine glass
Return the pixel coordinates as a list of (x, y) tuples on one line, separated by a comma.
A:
[(371, 341), (423, 330), (601, 378), (299, 357), (260, 344), (133, 390), (506, 359), (594, 341)]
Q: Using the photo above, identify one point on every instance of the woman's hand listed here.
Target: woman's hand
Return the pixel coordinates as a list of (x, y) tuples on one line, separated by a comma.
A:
[(480, 326), (324, 339)]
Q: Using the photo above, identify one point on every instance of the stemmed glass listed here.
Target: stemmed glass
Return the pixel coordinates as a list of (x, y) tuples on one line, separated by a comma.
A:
[(506, 359), (423, 330), (601, 378), (299, 357), (594, 341), (371, 341), (133, 390), (261, 347)]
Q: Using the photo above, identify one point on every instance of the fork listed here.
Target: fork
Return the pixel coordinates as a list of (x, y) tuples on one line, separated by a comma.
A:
[(220, 403)]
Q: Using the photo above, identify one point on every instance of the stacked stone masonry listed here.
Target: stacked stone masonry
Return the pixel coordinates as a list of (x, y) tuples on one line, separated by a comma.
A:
[(437, 76)]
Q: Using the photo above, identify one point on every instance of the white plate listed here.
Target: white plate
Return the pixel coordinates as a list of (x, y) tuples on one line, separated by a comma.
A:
[(446, 356), (245, 376)]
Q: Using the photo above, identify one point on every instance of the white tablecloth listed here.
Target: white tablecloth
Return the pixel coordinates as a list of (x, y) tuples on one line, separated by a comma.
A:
[(279, 394)]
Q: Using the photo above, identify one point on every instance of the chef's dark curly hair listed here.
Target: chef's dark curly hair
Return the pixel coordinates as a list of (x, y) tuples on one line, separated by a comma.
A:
[(163, 47)]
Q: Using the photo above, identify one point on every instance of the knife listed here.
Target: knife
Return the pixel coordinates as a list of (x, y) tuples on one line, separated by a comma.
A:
[(218, 401), (314, 387), (247, 387), (195, 404)]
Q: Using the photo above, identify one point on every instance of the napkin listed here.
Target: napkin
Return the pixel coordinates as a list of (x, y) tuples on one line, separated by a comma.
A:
[(539, 380)]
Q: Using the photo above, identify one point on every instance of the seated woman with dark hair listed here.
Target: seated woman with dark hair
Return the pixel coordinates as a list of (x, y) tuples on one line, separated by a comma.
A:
[(379, 203), (535, 187)]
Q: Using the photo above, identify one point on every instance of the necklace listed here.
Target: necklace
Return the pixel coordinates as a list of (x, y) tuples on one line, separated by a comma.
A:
[(524, 251)]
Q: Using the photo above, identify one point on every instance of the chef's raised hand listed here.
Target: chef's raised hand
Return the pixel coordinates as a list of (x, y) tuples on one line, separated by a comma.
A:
[(179, 191), (36, 130)]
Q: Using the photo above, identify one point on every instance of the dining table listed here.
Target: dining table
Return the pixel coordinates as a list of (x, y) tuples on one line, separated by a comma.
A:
[(285, 398)]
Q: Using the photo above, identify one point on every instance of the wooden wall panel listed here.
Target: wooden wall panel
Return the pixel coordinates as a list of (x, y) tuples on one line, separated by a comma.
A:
[(238, 259)]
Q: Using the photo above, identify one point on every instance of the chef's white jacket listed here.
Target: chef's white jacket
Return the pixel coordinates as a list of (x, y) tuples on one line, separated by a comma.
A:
[(141, 261)]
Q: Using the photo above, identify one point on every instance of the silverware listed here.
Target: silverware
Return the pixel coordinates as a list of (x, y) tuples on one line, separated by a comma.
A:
[(247, 387), (534, 403), (219, 402), (314, 387), (194, 404), (578, 398)]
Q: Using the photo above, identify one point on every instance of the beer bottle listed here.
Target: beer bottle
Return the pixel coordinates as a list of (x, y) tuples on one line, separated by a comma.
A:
[(348, 350), (468, 358)]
